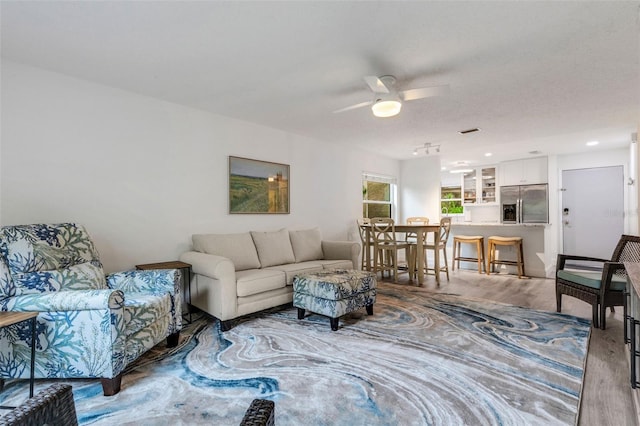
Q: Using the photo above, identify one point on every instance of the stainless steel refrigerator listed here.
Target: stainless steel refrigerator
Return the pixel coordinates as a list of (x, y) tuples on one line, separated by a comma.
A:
[(524, 204)]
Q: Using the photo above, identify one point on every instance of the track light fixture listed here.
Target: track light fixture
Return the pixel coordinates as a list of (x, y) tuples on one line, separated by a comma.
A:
[(428, 147)]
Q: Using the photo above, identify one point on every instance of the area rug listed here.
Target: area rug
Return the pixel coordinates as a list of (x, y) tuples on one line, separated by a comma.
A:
[(420, 359)]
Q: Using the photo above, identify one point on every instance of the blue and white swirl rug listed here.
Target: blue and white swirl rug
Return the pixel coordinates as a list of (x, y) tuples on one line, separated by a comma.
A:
[(421, 359)]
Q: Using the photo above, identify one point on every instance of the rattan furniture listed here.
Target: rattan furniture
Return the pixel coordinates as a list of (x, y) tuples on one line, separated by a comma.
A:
[(601, 288), (52, 406), (261, 412)]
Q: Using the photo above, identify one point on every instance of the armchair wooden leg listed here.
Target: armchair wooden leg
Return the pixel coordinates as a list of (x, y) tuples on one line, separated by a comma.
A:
[(558, 302), (173, 339), (111, 387)]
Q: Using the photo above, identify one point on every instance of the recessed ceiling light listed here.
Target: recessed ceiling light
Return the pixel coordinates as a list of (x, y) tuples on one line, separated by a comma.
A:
[(488, 154), (592, 143)]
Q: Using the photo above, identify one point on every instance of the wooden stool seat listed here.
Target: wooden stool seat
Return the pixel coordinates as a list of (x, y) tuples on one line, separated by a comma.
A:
[(516, 242), (468, 239)]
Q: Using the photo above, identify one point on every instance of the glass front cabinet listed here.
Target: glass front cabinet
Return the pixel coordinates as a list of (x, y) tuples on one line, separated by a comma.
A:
[(479, 186)]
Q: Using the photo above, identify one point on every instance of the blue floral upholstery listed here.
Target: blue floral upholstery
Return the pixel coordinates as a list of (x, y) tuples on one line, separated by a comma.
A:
[(89, 325), (334, 293)]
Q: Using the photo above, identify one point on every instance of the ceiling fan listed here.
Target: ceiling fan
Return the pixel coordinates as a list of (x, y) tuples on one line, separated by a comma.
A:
[(387, 100)]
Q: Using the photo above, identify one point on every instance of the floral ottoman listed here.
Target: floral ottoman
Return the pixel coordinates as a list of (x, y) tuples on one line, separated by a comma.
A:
[(334, 293)]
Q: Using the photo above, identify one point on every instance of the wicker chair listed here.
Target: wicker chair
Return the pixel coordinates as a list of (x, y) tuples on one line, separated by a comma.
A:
[(52, 406), (260, 413), (601, 288)]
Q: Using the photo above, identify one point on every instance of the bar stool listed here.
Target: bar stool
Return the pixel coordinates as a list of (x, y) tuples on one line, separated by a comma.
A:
[(468, 239), (505, 241)]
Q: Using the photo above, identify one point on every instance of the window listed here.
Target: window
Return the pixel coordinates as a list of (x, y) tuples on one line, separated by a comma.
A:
[(378, 195), (451, 200)]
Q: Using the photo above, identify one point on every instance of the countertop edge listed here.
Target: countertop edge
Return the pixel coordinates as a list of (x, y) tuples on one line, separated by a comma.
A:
[(633, 273), (530, 225)]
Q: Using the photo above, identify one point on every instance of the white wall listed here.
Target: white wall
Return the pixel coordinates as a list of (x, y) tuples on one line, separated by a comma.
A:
[(143, 175), (420, 188), (557, 164)]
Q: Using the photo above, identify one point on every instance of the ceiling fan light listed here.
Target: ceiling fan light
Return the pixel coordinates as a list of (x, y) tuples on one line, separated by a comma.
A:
[(386, 108)]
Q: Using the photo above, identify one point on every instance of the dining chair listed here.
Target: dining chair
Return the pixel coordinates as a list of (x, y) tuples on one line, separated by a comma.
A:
[(386, 247), (577, 277), (415, 220), (366, 262), (440, 248)]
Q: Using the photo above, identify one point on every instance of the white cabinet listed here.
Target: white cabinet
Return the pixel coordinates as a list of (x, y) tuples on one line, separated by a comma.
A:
[(479, 186), (523, 172)]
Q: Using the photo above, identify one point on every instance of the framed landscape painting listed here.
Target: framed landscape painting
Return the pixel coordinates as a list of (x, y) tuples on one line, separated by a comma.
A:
[(257, 187)]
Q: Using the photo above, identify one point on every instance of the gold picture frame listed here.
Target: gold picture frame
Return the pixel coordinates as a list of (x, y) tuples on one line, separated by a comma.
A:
[(258, 187)]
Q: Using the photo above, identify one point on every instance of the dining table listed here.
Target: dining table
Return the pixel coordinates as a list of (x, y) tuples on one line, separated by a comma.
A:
[(421, 232)]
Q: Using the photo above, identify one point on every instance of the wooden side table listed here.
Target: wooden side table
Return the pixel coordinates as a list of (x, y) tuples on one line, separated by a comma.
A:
[(8, 318), (174, 264)]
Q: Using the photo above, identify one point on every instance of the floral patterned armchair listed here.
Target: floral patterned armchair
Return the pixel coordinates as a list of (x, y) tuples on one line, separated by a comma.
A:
[(89, 325)]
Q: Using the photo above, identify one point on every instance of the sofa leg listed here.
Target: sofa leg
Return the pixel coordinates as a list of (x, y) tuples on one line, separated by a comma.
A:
[(111, 387), (334, 323), (173, 339), (226, 325)]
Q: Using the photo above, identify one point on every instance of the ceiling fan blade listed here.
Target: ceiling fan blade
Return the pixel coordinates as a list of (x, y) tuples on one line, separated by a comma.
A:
[(349, 108), (425, 92), (376, 85)]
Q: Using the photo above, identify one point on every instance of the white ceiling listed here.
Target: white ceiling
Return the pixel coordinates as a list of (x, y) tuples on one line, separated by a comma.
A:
[(545, 76)]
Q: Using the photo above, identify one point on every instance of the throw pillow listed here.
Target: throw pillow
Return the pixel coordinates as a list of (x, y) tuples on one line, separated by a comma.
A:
[(274, 248), (307, 244), (238, 248)]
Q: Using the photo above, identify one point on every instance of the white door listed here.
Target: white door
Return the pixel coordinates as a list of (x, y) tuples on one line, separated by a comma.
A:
[(592, 210)]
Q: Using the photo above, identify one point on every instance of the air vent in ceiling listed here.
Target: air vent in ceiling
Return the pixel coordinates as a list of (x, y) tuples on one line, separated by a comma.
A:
[(464, 132)]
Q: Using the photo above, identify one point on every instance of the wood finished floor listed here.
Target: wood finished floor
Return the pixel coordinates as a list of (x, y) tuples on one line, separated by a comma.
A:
[(607, 394)]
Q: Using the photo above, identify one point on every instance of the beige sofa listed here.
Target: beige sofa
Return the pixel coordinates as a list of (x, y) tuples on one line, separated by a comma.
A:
[(238, 274)]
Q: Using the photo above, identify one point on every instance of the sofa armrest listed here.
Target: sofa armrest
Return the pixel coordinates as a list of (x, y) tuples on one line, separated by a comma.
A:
[(60, 301), (341, 250), (215, 290), (210, 265), (154, 281)]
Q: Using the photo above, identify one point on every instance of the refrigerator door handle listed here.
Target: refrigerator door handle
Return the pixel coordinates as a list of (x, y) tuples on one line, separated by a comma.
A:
[(520, 214)]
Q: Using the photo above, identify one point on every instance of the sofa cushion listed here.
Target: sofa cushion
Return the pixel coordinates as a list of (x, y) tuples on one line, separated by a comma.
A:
[(592, 279), (143, 309), (336, 264), (51, 257), (238, 248), (7, 288), (274, 248), (254, 281), (84, 276), (293, 269), (307, 244)]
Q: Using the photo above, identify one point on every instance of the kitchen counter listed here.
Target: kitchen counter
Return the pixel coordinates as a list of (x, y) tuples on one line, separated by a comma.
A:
[(633, 287), (537, 225), (532, 242)]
